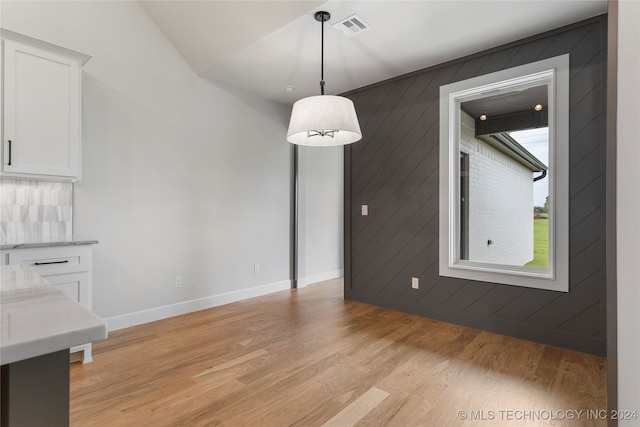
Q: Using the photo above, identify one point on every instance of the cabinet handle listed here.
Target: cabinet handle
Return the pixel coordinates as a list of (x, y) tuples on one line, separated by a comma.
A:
[(9, 163), (52, 262)]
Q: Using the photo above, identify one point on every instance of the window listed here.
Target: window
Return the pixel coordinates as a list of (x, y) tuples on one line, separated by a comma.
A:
[(504, 176)]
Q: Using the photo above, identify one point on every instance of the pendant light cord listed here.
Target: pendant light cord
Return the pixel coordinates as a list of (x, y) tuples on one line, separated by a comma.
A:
[(322, 57)]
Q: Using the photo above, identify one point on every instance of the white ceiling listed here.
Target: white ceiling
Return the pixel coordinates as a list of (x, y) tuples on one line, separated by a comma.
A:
[(266, 45)]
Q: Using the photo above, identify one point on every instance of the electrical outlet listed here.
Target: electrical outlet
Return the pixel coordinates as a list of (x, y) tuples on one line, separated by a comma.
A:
[(365, 210), (256, 268), (178, 281), (415, 283)]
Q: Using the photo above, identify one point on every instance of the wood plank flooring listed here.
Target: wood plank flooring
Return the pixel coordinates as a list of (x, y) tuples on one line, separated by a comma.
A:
[(308, 358)]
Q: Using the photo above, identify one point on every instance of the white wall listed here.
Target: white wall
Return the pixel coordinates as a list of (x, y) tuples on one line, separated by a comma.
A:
[(320, 207), (180, 176), (628, 208)]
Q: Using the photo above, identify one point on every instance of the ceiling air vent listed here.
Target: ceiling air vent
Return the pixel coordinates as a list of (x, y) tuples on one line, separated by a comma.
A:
[(351, 26)]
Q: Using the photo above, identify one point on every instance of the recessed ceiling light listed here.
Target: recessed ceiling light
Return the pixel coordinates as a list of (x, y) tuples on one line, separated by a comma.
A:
[(538, 107), (289, 89), (483, 117)]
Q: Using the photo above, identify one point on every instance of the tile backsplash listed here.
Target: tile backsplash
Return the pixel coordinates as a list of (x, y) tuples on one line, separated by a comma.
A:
[(34, 211)]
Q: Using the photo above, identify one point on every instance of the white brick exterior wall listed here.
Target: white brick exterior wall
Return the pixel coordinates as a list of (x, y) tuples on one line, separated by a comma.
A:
[(500, 202)]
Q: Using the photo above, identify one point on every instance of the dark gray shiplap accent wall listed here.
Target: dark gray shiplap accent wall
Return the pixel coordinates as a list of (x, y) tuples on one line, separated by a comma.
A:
[(394, 170)]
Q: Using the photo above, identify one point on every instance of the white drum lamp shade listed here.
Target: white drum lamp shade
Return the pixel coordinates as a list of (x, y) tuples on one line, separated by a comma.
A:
[(323, 121)]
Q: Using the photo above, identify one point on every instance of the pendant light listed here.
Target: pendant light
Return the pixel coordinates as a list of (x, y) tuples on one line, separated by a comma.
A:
[(324, 120)]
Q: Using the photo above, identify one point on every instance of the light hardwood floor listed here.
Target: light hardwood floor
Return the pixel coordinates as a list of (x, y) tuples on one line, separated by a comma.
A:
[(308, 358)]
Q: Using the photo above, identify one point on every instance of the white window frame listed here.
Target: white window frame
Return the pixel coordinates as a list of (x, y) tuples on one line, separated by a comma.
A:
[(554, 72)]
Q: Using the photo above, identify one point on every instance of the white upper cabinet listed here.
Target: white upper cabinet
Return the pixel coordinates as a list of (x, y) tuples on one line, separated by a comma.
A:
[(42, 111)]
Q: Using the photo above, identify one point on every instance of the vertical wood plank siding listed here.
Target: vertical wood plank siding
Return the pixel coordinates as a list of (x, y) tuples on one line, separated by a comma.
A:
[(394, 170)]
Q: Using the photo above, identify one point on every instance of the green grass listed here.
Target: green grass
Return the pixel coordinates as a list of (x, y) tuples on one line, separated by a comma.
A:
[(540, 243)]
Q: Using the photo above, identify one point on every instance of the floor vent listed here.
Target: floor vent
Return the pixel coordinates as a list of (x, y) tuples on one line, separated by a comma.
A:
[(351, 26)]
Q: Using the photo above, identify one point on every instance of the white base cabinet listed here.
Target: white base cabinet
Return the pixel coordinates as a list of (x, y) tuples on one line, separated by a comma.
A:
[(68, 268)]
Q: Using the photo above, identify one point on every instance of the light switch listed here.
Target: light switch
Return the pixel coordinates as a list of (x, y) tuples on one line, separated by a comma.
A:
[(415, 283), (365, 210)]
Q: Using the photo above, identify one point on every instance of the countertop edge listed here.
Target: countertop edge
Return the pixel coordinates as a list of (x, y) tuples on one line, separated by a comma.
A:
[(39, 319), (8, 246), (23, 351)]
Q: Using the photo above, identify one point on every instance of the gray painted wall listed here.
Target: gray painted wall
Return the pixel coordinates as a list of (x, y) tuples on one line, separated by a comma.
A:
[(395, 171)]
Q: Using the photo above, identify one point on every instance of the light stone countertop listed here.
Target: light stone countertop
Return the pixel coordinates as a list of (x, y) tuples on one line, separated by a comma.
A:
[(45, 244), (37, 319)]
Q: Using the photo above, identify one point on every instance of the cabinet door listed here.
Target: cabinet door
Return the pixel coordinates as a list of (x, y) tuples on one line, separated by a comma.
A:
[(74, 285), (77, 287), (42, 112)]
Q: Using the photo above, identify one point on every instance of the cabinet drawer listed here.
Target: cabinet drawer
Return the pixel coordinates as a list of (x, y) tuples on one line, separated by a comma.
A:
[(53, 260)]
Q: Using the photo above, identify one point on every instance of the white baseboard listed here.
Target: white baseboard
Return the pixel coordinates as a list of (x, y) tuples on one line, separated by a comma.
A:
[(157, 313), (320, 277)]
